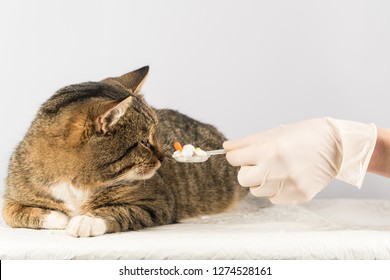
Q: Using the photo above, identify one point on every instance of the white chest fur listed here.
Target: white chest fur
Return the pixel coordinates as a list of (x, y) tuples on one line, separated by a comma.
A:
[(72, 197)]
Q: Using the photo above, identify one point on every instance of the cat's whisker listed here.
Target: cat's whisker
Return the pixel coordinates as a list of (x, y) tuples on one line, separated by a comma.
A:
[(167, 148)]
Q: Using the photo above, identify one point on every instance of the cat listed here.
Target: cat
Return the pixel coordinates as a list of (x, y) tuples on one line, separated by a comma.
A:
[(97, 159)]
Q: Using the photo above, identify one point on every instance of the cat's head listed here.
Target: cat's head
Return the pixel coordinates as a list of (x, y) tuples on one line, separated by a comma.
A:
[(98, 133)]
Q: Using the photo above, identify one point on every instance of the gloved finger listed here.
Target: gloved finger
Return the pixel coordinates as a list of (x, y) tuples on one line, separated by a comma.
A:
[(291, 196), (236, 144), (268, 189), (248, 155), (252, 176), (249, 140)]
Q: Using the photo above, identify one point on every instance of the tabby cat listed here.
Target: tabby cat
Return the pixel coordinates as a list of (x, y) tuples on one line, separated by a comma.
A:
[(92, 163)]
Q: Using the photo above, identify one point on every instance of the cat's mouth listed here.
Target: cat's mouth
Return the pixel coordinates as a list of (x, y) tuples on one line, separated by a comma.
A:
[(142, 175)]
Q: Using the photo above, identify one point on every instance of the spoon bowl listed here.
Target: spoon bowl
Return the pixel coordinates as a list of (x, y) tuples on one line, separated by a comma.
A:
[(198, 159)]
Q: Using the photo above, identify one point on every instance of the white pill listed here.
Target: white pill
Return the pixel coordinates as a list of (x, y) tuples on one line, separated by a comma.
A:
[(187, 152), (177, 154), (181, 159), (200, 153), (189, 147)]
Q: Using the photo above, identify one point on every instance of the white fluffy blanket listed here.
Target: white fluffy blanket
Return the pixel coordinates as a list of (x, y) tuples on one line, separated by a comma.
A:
[(320, 229)]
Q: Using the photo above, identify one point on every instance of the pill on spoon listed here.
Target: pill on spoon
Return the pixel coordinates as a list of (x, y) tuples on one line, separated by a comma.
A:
[(189, 153), (200, 153)]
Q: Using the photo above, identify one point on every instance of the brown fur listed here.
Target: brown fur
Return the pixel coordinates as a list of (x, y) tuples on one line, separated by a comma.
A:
[(102, 138)]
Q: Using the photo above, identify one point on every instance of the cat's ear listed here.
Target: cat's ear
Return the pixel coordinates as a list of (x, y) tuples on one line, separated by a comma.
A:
[(111, 116), (131, 81)]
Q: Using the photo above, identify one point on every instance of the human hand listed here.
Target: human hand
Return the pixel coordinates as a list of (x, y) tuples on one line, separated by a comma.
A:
[(291, 163)]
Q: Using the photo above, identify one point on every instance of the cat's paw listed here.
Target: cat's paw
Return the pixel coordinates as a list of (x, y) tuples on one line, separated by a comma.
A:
[(55, 220), (86, 226)]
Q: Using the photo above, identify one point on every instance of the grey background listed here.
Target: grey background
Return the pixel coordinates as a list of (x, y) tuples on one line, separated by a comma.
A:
[(244, 66)]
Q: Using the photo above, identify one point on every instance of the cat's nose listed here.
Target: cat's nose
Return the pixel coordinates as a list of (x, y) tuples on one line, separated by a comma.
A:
[(160, 156)]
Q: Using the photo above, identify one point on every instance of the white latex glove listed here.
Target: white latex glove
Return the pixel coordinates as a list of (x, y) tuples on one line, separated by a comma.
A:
[(291, 163)]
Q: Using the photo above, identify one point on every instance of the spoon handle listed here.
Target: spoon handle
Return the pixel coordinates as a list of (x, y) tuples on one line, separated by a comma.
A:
[(216, 152)]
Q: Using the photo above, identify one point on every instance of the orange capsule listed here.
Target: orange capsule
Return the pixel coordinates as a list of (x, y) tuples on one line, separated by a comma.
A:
[(177, 146)]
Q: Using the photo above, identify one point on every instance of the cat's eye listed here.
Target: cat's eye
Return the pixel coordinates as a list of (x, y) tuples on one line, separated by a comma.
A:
[(146, 143)]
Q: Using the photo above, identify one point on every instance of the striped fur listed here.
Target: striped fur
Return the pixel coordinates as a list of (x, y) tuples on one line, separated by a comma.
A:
[(92, 162)]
